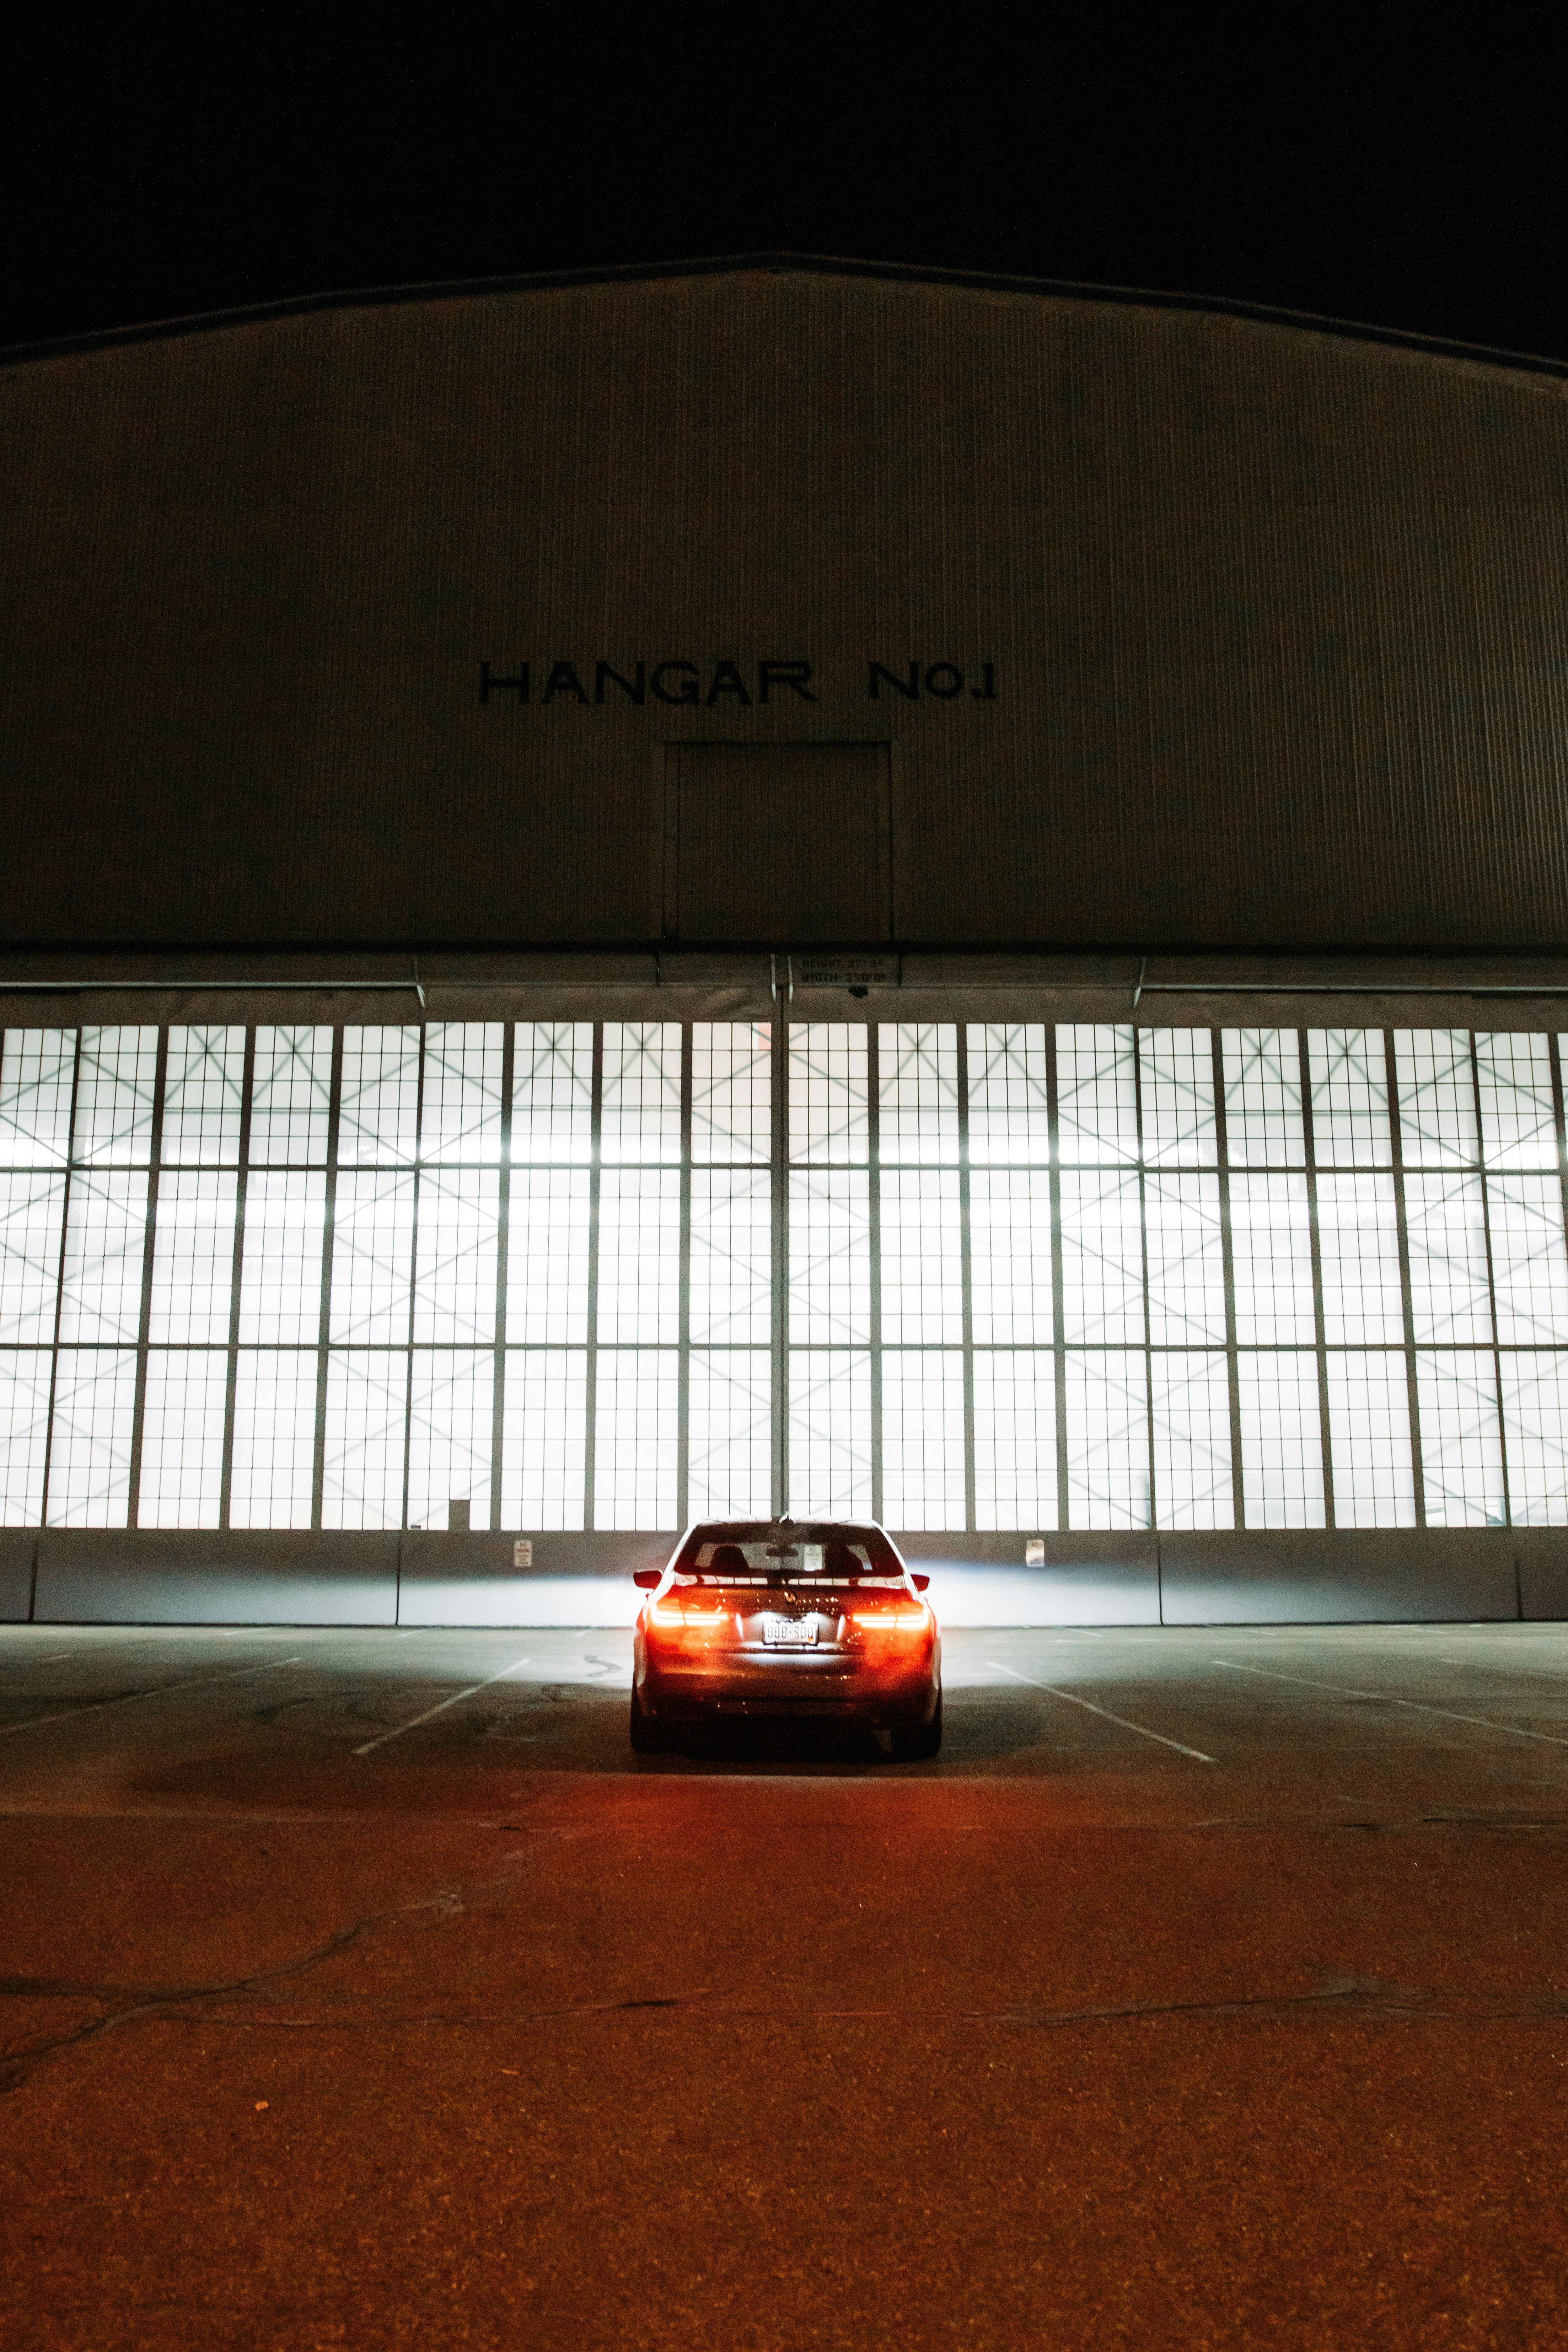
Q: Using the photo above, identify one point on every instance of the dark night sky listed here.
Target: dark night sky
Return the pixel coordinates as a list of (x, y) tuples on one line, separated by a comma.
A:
[(1399, 166)]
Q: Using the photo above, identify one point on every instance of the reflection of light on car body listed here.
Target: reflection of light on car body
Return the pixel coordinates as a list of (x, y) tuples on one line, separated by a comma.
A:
[(769, 1617)]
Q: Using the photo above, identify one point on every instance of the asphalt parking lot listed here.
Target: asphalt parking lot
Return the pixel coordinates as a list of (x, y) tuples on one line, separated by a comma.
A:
[(362, 1988)]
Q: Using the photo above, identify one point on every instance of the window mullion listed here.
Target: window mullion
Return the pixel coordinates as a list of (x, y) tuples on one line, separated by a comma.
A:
[(503, 1251), (1396, 1154), (231, 1381), (144, 1321), (966, 1277), (683, 1373), (59, 1297), (324, 1324), (591, 1369), (1492, 1285), (1058, 1303), (1228, 1265), (1319, 1327), (874, 1250)]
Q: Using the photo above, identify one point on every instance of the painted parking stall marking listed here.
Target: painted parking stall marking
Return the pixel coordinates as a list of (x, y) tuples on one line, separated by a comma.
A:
[(1073, 1700)]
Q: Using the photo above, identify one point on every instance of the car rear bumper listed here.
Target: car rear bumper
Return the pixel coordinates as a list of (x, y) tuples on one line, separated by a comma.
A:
[(824, 1685)]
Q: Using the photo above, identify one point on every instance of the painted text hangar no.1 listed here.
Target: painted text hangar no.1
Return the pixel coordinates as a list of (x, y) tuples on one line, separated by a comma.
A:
[(782, 885)]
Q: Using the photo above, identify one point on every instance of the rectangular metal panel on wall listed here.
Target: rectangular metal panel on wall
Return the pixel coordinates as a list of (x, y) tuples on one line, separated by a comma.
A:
[(189, 1577), (1370, 1576), (18, 1552), (784, 843)]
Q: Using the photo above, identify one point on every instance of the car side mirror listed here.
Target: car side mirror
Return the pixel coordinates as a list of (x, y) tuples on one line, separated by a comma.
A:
[(920, 1583), (646, 1579)]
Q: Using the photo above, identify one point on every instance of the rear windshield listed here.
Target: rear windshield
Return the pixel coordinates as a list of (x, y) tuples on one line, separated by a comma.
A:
[(749, 1553)]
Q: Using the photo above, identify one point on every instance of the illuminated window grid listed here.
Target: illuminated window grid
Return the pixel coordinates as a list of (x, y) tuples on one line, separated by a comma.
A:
[(1469, 1199)]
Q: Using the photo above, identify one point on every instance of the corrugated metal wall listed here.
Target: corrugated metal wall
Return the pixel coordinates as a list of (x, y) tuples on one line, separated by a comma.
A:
[(1277, 619)]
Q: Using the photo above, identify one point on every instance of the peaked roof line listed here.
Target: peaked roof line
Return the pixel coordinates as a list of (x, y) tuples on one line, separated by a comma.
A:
[(810, 264)]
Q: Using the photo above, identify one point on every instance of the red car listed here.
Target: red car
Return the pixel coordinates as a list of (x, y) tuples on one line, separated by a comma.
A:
[(780, 1617)]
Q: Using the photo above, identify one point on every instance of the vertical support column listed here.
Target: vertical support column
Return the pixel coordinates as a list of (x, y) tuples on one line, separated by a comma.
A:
[(503, 1258), (591, 1333), (1153, 1518), (1320, 1331), (247, 1088), (1492, 1285), (144, 1321), (874, 1249), (412, 1273), (966, 1277), (779, 1158), (1396, 1153), (60, 1286), (1227, 1260), (683, 1371), (1058, 1303), (324, 1324)]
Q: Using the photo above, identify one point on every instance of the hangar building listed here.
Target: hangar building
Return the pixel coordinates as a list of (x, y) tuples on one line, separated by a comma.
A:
[(782, 885)]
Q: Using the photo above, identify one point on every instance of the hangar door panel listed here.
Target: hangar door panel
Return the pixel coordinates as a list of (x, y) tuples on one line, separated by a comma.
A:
[(777, 843)]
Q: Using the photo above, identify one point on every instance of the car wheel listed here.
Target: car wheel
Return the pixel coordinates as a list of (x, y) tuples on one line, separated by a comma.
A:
[(647, 1737), (913, 1742)]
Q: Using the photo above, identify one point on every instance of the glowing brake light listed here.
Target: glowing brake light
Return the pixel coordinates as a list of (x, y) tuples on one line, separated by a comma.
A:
[(676, 1616), (893, 1621)]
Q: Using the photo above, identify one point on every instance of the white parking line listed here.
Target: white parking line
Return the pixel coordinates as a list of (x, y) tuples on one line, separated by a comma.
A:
[(1343, 1690), (163, 1690), (415, 1721), (1195, 1753)]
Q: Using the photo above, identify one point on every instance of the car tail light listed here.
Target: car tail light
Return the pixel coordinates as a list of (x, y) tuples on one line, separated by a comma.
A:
[(672, 1616), (892, 1621)]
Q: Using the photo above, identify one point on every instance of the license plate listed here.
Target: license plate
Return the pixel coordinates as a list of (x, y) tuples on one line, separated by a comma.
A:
[(793, 1630)]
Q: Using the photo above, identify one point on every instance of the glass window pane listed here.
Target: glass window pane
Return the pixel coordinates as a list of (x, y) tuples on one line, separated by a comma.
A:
[(23, 1431), (641, 1119), (1010, 1255), (1358, 1248), (553, 1090), (827, 1092), (1535, 1420), (1281, 1440), (922, 1258), (181, 1438), (106, 1234), (373, 1251), (829, 1434), (451, 1426), (1102, 1257), (542, 1448), (1015, 1439), (37, 1071), (114, 1095), (1009, 1106), (1262, 1098), (290, 1097), (192, 1262), (732, 1090), (1369, 1437), (274, 1438), (31, 1207), (1446, 1221), (638, 1422), (1108, 1439), (1191, 1428), (281, 1271), (460, 1117), (203, 1087), (367, 1406), (830, 1257), (731, 1257), (1176, 1070), (1518, 1123), (1530, 1263), (90, 1459), (916, 1067), (922, 1438), (1271, 1256), (731, 1448), (1349, 1069), (1187, 1261), (1436, 1097), (1097, 1094), (455, 1276), (1461, 1451), (547, 1255), (378, 1126), (640, 1259)]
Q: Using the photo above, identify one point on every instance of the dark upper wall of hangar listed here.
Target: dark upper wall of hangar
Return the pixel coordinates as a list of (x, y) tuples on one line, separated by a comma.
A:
[(1277, 618)]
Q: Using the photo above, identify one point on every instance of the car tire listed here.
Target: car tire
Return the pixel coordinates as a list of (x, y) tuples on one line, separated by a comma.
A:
[(915, 1743), (647, 1737)]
